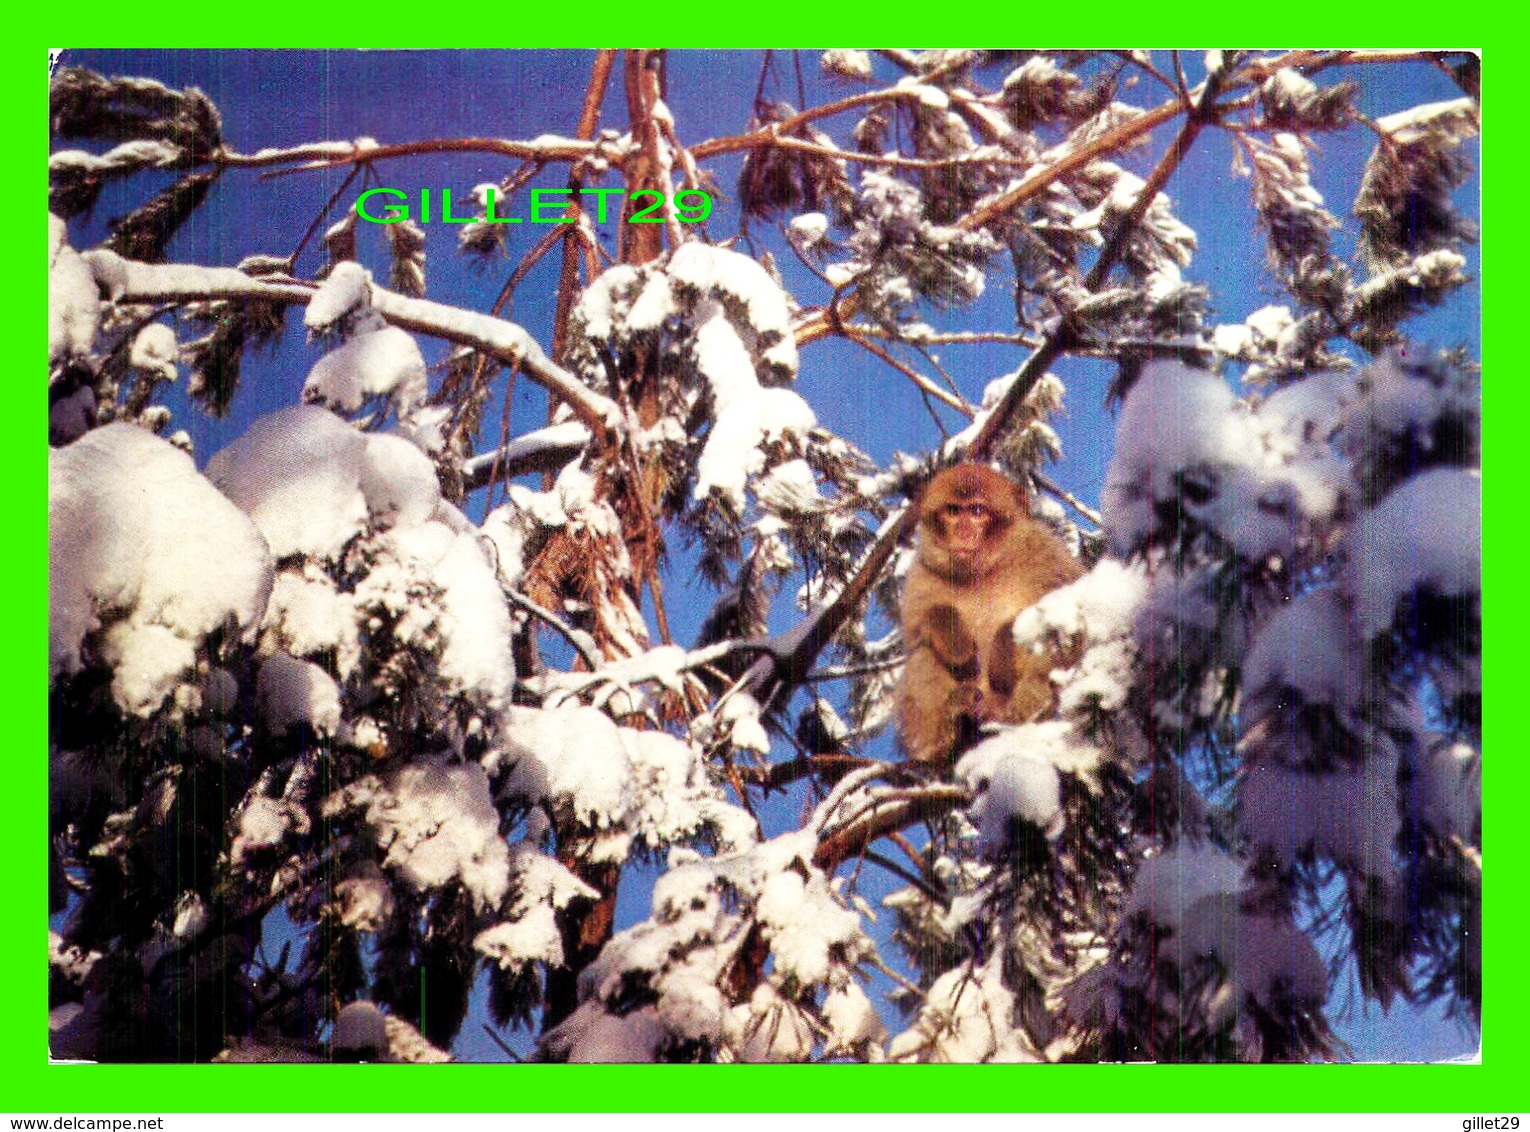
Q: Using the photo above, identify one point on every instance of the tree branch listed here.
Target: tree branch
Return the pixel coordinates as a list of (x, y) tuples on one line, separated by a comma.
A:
[(545, 450), (328, 155), (589, 118), (851, 840), (128, 281)]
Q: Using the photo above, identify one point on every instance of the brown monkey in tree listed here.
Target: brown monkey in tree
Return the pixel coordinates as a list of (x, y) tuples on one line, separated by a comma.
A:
[(981, 559)]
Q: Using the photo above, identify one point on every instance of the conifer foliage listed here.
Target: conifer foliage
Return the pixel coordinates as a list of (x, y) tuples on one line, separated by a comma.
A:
[(358, 723)]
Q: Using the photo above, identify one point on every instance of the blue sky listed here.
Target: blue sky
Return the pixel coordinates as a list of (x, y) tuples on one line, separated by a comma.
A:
[(280, 98)]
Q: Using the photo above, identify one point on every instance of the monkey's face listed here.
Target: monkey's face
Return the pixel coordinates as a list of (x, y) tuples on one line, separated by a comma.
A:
[(963, 522), (966, 530)]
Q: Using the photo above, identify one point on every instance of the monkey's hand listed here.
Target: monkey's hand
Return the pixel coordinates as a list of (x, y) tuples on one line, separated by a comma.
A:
[(949, 639)]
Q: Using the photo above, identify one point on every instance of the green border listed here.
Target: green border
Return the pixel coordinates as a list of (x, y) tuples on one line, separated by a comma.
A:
[(31, 1085)]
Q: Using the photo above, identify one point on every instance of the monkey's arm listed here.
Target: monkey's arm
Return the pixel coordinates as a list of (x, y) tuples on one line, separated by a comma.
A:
[(942, 631), (935, 709), (1021, 680)]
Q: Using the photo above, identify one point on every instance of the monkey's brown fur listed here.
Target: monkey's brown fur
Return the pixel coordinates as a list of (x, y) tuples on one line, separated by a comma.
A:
[(981, 559)]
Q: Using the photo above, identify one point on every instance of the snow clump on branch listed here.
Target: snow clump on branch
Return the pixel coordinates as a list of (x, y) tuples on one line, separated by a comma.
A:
[(144, 549), (726, 324), (706, 912), (74, 303)]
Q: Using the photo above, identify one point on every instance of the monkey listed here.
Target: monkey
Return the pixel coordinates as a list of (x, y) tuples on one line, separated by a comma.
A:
[(980, 560)]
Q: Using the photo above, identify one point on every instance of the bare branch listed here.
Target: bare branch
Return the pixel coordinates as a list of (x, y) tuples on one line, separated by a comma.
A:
[(1048, 485), (589, 118), (924, 384)]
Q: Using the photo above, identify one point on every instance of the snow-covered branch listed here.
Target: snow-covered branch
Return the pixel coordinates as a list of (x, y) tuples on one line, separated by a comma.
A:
[(327, 155), (128, 281), (545, 450)]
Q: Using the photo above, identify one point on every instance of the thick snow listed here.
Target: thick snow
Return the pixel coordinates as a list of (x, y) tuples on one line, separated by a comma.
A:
[(569, 436), (1014, 774), (74, 303), (155, 350), (308, 616), (571, 503), (739, 279), (312, 483), (790, 488), (654, 305), (1264, 479), (721, 357), (141, 542), (1098, 606), (852, 1019), (846, 63), (361, 1031), (1457, 118), (1308, 646), (680, 953), (804, 924), (740, 714), (263, 823), (347, 289), (1426, 534), (1197, 892), (437, 823), (398, 482), (644, 784), (595, 309), (440, 586), (701, 910), (1261, 954), (1453, 792), (732, 451), (1170, 882), (385, 362), (1349, 815), (1175, 419), (965, 1019), (297, 474), (808, 229), (593, 1037), (1170, 235), (131, 155), (1099, 609), (569, 755), (769, 1029), (530, 933), (147, 661), (666, 775), (406, 1044), (365, 898), (1400, 405), (1022, 788), (732, 321), (1305, 413)]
